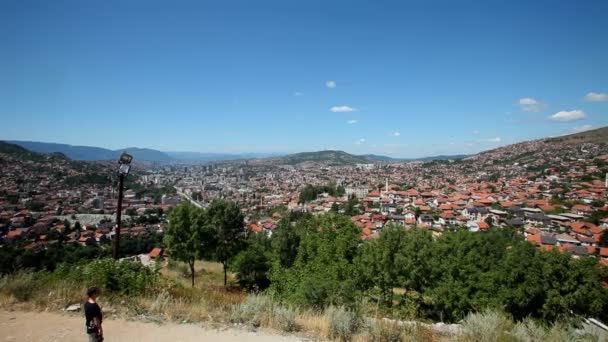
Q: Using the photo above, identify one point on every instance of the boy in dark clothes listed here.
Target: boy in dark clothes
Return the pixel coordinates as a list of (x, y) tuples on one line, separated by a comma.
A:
[(92, 313)]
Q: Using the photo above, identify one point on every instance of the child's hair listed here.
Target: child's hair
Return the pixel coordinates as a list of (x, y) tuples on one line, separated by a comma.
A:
[(92, 291)]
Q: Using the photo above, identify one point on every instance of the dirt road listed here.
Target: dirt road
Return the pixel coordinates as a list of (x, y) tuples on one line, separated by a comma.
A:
[(28, 326)]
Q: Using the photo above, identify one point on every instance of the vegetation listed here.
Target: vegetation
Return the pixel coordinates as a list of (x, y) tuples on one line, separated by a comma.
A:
[(317, 268), (226, 221), (311, 192), (188, 237)]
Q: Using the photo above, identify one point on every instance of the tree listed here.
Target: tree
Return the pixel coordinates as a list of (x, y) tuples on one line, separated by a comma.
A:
[(604, 238), (378, 262), (323, 272), (226, 219), (131, 212), (77, 227), (187, 236), (351, 207), (489, 220), (253, 263)]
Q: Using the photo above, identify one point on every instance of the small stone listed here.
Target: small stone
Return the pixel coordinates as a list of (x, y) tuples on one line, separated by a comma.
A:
[(73, 308)]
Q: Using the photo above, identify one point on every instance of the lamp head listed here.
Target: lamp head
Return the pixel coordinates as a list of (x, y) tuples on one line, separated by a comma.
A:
[(125, 158)]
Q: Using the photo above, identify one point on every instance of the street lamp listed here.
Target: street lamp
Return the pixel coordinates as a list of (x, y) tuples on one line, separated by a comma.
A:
[(124, 166)]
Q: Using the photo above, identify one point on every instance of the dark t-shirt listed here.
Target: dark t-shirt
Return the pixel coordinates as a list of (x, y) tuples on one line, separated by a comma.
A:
[(91, 310)]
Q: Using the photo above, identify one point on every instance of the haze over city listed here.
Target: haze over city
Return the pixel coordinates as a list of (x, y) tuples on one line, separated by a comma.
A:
[(404, 79)]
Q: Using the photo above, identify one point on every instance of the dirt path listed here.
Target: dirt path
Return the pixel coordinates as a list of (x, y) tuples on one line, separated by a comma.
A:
[(29, 326)]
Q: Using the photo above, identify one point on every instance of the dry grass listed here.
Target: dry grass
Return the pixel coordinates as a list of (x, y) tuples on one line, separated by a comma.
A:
[(313, 323)]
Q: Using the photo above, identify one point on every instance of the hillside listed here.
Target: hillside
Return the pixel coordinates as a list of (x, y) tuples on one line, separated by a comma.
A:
[(328, 157), (598, 135)]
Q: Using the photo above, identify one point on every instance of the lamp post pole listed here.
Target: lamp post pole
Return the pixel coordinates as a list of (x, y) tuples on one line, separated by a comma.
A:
[(116, 246), (123, 170)]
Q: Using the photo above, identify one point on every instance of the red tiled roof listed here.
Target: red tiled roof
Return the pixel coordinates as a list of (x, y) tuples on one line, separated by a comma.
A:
[(535, 239), (156, 252)]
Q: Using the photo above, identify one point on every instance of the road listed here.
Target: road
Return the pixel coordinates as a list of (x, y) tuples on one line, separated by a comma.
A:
[(45, 326)]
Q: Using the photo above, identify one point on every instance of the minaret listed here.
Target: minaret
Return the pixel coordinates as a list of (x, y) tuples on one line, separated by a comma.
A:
[(386, 189)]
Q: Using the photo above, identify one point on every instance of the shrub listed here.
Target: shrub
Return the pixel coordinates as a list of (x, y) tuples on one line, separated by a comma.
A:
[(487, 326), (342, 323), (125, 277), (384, 330), (284, 318), (21, 287), (254, 310)]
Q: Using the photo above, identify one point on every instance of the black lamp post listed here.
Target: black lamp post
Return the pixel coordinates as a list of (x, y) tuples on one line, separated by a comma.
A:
[(124, 167)]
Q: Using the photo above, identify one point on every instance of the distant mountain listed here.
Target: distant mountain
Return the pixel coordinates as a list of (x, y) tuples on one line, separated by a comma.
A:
[(205, 157), (375, 157), (73, 152), (91, 153), (145, 154), (442, 157), (328, 157), (94, 153), (23, 153)]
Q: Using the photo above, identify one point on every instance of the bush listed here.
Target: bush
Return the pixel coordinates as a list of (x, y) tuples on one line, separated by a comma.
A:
[(384, 330), (125, 277), (284, 318), (529, 330), (254, 310), (21, 287), (342, 323), (487, 326)]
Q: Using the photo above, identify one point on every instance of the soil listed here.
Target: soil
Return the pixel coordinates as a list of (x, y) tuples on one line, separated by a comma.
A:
[(67, 327)]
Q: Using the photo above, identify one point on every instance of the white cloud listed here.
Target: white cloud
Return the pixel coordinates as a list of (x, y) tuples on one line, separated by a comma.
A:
[(596, 97), (528, 104), (475, 132), (395, 134), (351, 122), (360, 141), (565, 115), (330, 84), (342, 109), (582, 128), (492, 140), (297, 93)]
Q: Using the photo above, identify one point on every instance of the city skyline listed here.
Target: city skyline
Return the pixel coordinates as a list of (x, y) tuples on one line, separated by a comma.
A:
[(403, 79)]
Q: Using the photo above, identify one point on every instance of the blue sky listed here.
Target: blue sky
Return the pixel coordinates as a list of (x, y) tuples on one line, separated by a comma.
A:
[(400, 78)]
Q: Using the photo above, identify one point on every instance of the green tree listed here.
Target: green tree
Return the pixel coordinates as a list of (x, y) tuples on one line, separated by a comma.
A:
[(378, 262), (285, 242), (187, 236), (324, 270), (226, 219), (604, 238), (252, 264)]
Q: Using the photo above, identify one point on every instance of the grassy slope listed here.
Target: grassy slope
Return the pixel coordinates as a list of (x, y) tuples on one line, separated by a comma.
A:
[(598, 135)]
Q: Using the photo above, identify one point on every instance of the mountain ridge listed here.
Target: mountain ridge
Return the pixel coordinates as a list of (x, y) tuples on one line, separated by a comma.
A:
[(91, 153)]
